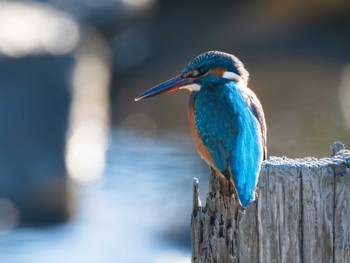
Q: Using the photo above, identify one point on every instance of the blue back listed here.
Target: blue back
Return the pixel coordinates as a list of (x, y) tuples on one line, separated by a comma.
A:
[(230, 131)]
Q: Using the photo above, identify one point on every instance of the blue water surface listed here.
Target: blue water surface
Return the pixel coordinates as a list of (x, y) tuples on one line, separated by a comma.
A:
[(139, 211)]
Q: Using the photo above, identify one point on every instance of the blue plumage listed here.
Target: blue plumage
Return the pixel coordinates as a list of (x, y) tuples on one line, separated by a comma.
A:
[(228, 128), (226, 118)]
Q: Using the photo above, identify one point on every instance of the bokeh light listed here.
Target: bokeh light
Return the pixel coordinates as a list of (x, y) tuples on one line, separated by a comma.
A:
[(138, 4), (87, 137), (48, 30)]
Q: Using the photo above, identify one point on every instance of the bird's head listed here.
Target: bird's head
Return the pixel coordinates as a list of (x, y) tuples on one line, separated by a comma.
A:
[(208, 69)]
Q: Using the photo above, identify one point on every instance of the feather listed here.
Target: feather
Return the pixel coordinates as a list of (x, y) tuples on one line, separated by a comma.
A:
[(231, 127)]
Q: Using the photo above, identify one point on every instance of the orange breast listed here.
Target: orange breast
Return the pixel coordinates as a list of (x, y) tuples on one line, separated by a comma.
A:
[(202, 150)]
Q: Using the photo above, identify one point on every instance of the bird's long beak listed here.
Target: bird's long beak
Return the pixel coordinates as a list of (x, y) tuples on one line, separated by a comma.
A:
[(165, 87)]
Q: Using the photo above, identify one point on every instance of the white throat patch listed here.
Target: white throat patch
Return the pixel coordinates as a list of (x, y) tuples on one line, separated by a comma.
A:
[(231, 76), (192, 87)]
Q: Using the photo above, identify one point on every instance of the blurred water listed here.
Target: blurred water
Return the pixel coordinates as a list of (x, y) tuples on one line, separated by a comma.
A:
[(138, 212)]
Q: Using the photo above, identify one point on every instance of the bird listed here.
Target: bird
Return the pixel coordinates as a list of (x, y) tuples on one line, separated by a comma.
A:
[(226, 118)]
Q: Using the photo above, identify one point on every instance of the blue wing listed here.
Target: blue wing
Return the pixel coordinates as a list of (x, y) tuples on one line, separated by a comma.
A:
[(228, 120)]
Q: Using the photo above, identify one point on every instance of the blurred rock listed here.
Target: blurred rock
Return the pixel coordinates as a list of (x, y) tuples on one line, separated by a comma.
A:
[(34, 111), (35, 96)]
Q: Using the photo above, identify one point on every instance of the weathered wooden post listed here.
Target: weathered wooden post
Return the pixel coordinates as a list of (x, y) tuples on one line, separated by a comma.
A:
[(302, 214)]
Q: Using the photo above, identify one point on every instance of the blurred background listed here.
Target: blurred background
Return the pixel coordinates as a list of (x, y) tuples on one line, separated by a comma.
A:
[(87, 174)]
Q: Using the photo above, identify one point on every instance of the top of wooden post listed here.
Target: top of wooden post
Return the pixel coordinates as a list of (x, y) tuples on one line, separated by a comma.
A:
[(302, 214)]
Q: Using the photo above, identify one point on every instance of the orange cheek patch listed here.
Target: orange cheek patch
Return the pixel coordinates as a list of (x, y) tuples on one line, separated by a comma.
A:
[(219, 72)]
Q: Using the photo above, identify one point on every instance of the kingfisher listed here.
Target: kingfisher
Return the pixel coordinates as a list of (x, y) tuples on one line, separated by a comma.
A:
[(226, 118)]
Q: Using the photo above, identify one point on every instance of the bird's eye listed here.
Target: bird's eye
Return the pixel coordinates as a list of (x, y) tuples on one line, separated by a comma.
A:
[(199, 72), (195, 73)]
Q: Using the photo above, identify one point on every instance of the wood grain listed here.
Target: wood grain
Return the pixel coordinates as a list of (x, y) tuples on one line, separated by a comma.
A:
[(302, 214)]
